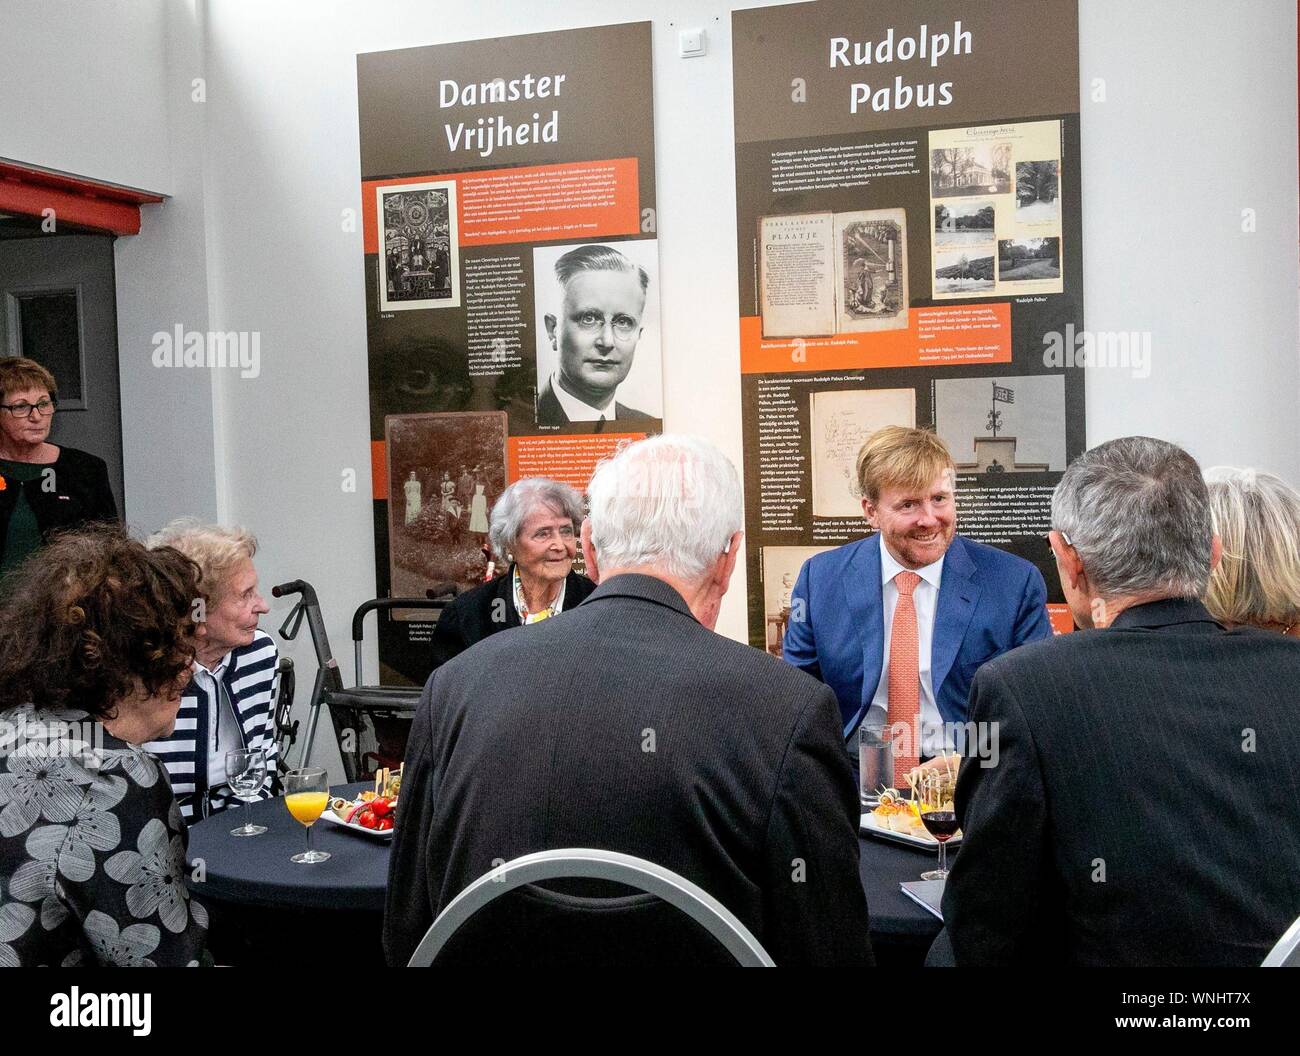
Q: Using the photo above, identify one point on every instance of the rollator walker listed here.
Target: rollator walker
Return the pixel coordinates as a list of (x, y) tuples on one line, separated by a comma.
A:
[(360, 712)]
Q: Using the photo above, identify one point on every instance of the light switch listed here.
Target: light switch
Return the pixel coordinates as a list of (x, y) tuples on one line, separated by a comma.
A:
[(691, 43)]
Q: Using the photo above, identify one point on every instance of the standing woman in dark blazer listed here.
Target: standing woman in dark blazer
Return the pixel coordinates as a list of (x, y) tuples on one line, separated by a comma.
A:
[(43, 487), (534, 527)]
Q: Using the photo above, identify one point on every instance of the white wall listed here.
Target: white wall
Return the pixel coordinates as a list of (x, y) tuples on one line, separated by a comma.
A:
[(81, 88), (1199, 122), (170, 438), (104, 89)]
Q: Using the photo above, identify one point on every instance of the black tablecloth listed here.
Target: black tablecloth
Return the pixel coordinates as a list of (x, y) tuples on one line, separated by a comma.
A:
[(882, 867), (250, 884), (256, 870)]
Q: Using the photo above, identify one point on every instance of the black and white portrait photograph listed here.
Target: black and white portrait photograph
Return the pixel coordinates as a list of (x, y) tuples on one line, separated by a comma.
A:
[(958, 273), (982, 168), (1003, 424), (419, 256), (963, 224), (1028, 259), (444, 472), (1037, 190), (597, 319)]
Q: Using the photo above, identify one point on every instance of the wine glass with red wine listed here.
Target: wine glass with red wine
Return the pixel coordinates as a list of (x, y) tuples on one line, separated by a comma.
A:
[(935, 787)]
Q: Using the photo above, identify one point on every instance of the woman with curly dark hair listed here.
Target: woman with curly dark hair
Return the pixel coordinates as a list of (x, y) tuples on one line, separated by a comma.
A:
[(95, 647)]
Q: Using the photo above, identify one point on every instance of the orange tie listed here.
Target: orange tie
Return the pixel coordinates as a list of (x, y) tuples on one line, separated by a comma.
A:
[(905, 674)]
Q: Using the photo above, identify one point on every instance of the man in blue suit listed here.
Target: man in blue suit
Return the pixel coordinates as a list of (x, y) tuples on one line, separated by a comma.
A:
[(898, 623)]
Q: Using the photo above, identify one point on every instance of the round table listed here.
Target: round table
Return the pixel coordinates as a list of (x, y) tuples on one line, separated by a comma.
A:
[(256, 870), (262, 903), (265, 907)]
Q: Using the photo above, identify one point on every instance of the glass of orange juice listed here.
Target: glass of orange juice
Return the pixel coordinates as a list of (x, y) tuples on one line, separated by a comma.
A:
[(306, 793)]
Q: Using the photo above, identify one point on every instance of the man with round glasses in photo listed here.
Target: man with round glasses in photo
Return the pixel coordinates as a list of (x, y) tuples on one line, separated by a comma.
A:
[(595, 335), (44, 487)]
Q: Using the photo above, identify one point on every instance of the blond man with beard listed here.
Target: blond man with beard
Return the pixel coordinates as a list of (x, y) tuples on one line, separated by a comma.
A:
[(898, 623)]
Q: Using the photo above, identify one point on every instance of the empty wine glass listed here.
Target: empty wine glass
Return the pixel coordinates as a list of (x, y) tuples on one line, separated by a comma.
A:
[(246, 774)]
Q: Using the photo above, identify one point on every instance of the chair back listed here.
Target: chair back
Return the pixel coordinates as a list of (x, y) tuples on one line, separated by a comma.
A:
[(505, 917), (1286, 954)]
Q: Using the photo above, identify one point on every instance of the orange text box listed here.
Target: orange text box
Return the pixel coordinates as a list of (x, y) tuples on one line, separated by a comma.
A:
[(569, 459), (536, 203), (947, 334), (379, 468), (1062, 621)]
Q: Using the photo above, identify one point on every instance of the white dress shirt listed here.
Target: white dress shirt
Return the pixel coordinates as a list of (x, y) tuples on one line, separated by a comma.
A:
[(925, 598), (578, 411), (223, 729)]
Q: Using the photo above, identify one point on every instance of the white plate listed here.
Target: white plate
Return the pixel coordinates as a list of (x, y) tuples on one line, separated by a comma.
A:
[(869, 825), (374, 834)]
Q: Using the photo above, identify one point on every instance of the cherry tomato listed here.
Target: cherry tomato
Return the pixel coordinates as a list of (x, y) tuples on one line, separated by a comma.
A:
[(384, 824)]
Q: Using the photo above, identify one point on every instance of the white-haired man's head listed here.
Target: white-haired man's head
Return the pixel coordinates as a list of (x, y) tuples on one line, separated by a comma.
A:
[(670, 506)]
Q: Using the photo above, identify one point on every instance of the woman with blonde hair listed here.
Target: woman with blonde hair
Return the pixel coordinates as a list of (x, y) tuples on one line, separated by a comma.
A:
[(228, 703), (1257, 583)]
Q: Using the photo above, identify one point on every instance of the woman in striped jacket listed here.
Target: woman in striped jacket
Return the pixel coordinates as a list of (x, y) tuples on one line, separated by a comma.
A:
[(229, 700)]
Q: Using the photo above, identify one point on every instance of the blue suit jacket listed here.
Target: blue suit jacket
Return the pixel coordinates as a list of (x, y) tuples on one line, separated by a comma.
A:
[(989, 602)]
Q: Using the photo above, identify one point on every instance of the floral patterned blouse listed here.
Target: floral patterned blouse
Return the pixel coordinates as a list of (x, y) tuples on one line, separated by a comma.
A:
[(92, 849)]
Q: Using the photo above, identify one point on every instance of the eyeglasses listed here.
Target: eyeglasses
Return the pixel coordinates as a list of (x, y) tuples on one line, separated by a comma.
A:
[(622, 325), (46, 406)]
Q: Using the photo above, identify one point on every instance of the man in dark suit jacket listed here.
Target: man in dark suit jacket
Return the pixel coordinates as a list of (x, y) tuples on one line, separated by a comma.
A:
[(551, 412), (628, 724), (1143, 807)]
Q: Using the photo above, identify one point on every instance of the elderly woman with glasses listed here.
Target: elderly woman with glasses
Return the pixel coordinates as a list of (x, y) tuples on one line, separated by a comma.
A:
[(534, 528), (43, 486)]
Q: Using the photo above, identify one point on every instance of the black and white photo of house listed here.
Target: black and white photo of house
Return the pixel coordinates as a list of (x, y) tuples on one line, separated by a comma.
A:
[(962, 171), (1021, 431), (966, 223), (961, 273), (1037, 190), (1029, 259)]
